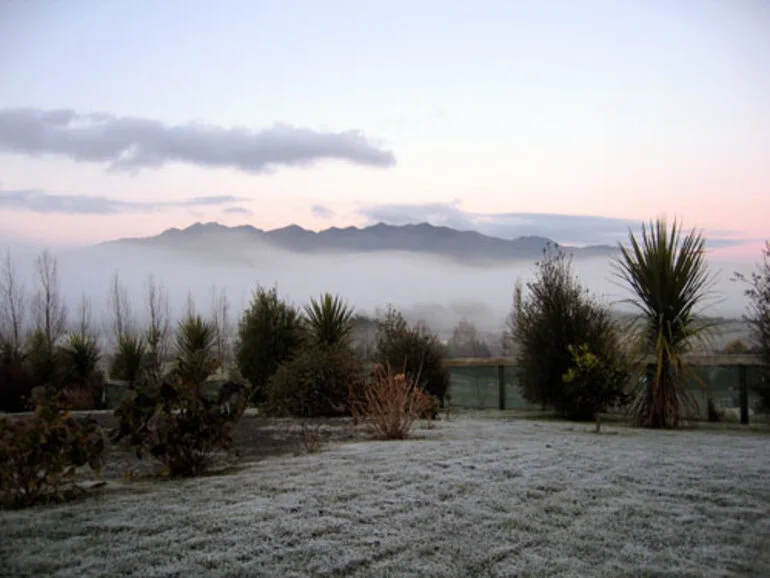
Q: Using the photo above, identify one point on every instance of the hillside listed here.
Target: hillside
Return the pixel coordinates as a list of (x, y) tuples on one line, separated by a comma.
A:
[(420, 238)]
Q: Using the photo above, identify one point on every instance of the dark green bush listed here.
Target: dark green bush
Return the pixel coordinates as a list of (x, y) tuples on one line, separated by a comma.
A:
[(269, 333), (81, 379), (70, 368), (40, 454), (556, 314), (175, 421), (178, 425), (318, 381), (43, 361), (414, 351), (591, 385), (16, 380)]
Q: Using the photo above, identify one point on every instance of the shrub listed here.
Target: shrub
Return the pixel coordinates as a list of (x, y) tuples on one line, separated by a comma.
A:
[(130, 361), (317, 382), (70, 368), (591, 385), (391, 403), (16, 381), (415, 351), (758, 317), (269, 333), (43, 362), (41, 453), (175, 421), (557, 313), (737, 347), (178, 425), (196, 348), (83, 382)]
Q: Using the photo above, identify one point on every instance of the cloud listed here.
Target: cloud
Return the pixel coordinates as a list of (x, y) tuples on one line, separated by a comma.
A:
[(566, 229), (132, 143), (322, 211), (38, 201), (237, 211)]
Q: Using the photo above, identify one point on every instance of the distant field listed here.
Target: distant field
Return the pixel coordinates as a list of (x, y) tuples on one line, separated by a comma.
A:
[(477, 496)]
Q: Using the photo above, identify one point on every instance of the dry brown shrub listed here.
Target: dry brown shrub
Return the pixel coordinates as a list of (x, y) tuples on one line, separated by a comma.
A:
[(391, 403), (310, 437)]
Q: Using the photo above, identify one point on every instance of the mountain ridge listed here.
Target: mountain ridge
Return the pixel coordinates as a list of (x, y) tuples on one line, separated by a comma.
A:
[(421, 237)]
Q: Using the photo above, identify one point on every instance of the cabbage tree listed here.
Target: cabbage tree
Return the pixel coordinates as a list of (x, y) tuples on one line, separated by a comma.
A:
[(670, 278)]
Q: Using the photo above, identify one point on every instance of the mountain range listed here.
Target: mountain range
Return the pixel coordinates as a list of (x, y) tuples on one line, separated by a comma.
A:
[(418, 238)]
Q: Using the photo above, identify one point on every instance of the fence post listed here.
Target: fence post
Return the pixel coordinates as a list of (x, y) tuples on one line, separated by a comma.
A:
[(743, 392), (501, 386)]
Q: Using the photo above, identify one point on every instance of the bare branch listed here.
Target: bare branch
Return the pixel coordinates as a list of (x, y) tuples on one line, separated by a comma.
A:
[(220, 313), (508, 340), (159, 329), (50, 312), (467, 342), (190, 310), (121, 309), (13, 303), (84, 317)]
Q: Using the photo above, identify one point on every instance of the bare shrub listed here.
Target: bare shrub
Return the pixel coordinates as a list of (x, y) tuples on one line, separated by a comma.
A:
[(310, 436), (392, 403)]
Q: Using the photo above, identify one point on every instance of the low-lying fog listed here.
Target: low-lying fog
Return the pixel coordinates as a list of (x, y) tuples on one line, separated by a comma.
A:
[(436, 290)]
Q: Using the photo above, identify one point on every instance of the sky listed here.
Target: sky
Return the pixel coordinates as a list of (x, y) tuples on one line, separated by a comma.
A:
[(575, 119)]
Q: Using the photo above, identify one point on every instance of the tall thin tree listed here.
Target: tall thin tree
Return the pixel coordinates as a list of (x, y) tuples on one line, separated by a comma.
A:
[(13, 304), (158, 332), (50, 311)]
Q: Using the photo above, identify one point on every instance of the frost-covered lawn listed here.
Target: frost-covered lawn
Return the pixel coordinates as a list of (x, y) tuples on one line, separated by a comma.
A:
[(473, 497)]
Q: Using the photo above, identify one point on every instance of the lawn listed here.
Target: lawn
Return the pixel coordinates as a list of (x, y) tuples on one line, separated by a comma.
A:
[(476, 496)]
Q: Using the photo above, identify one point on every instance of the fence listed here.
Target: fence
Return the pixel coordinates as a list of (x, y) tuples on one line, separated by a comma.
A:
[(490, 383), (728, 380)]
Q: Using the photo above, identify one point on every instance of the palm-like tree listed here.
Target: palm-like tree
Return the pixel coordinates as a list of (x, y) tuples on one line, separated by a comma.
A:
[(669, 275), (81, 357), (196, 345), (330, 319), (129, 363)]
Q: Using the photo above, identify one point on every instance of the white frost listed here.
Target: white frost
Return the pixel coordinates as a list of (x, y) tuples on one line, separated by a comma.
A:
[(473, 497)]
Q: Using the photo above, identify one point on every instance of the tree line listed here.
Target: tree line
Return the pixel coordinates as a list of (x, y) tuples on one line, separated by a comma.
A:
[(572, 354)]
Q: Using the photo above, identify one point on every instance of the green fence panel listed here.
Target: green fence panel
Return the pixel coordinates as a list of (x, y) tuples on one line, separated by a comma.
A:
[(474, 387)]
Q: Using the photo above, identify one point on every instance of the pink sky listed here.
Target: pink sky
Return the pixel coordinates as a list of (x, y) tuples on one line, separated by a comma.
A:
[(632, 111)]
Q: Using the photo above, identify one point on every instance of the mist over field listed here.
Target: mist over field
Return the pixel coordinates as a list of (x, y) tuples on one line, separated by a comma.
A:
[(434, 289)]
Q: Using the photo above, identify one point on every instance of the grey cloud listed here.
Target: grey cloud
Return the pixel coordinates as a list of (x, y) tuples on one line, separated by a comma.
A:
[(322, 211), (567, 229), (237, 211), (131, 143), (38, 201)]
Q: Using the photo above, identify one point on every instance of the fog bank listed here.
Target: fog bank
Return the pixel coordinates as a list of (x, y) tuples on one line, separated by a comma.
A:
[(439, 291)]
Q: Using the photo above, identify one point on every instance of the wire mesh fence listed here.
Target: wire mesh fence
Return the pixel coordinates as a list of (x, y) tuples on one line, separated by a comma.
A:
[(730, 382)]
